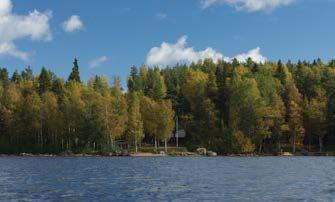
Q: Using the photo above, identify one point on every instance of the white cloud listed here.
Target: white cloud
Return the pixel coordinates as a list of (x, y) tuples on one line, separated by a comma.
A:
[(34, 25), (5, 7), (254, 54), (97, 61), (208, 3), (248, 5), (171, 54), (161, 15), (73, 24), (8, 48)]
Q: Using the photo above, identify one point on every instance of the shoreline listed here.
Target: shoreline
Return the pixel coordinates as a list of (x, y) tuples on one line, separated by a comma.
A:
[(182, 154)]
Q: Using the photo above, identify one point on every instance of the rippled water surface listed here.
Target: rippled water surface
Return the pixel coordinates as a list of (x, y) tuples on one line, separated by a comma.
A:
[(167, 179)]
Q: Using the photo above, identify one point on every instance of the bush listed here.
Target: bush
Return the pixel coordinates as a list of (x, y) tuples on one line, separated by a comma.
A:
[(236, 142), (242, 143)]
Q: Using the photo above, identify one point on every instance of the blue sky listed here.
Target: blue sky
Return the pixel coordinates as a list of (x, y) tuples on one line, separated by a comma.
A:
[(108, 37)]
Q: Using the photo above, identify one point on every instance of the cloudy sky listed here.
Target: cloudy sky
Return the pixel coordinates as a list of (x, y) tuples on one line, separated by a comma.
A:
[(108, 37)]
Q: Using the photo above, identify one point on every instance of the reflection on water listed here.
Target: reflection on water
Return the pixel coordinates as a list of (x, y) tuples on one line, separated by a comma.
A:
[(170, 179)]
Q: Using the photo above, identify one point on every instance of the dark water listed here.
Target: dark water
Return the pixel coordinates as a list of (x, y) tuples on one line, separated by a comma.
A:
[(167, 179)]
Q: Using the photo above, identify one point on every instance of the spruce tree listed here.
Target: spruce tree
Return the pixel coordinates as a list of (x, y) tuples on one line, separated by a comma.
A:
[(74, 75), (44, 81), (4, 76), (16, 78), (27, 74)]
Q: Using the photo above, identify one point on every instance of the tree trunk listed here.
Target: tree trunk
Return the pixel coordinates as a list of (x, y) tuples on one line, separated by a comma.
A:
[(320, 143), (279, 147), (260, 146), (41, 140), (136, 149), (293, 143), (309, 141), (177, 132), (155, 144), (165, 143), (111, 141)]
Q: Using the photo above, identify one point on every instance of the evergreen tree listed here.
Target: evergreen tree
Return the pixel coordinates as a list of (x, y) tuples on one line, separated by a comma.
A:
[(58, 86), (158, 89), (16, 78), (134, 82), (4, 77), (44, 81), (228, 107), (74, 75), (27, 74)]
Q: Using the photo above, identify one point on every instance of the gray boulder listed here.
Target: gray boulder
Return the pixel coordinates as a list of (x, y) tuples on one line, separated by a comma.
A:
[(211, 153), (202, 151)]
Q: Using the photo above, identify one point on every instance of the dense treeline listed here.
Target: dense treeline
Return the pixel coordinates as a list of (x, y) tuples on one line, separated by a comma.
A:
[(233, 107), (229, 107), (45, 114)]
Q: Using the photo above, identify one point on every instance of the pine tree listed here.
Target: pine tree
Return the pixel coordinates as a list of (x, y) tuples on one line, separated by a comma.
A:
[(16, 78), (57, 86), (4, 77), (134, 81), (44, 81), (27, 74), (212, 87), (159, 88), (75, 75)]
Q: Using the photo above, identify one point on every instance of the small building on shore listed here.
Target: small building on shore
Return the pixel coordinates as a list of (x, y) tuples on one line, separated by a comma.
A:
[(181, 136), (122, 144)]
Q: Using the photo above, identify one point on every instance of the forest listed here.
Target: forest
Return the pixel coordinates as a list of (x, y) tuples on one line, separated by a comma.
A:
[(228, 107)]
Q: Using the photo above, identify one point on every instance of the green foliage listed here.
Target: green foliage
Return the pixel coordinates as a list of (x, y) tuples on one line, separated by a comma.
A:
[(16, 78), (134, 80), (134, 132), (242, 144), (4, 76), (158, 117), (117, 116), (294, 113), (74, 75), (228, 107), (41, 114), (316, 119), (44, 81), (27, 74)]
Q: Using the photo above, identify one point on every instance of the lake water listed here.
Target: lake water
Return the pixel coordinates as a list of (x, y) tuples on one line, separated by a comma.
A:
[(167, 179)]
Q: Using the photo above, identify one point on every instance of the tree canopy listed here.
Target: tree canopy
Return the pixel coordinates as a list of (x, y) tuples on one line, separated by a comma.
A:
[(229, 107)]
